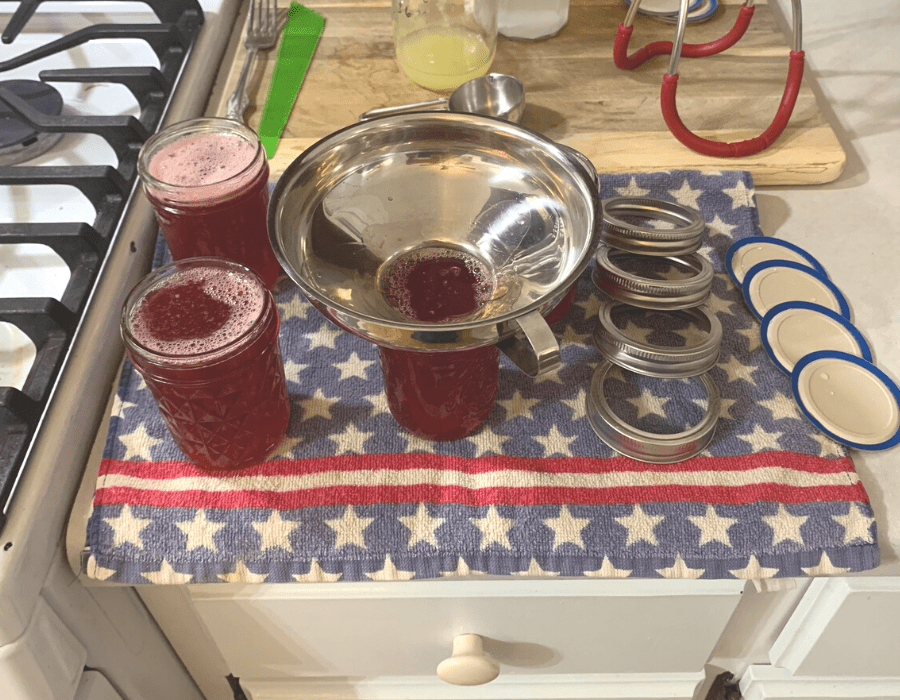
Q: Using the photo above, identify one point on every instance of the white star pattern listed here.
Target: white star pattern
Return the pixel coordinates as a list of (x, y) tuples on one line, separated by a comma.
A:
[(127, 528), (119, 406), (577, 404), (317, 405), (648, 404), (736, 370), (242, 574), (761, 439), (567, 528), (719, 305), (324, 337), (632, 190), (640, 526), (740, 195), (494, 528), (297, 307), (351, 441), (200, 532), (138, 443), (166, 575), (555, 443), (857, 525), (292, 371), (275, 532), (422, 526), (713, 527), (462, 569), (316, 575), (353, 366), (687, 195), (486, 440), (719, 227), (590, 306), (785, 526), (518, 405), (752, 336), (349, 529), (753, 570), (824, 567), (607, 570), (379, 403), (781, 406), (680, 570), (95, 571), (534, 570), (389, 572)]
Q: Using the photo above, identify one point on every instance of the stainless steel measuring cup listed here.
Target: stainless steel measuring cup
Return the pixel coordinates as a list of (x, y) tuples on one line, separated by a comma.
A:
[(491, 95)]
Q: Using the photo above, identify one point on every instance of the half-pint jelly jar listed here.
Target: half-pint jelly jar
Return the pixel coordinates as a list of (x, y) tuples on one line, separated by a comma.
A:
[(208, 182), (203, 333)]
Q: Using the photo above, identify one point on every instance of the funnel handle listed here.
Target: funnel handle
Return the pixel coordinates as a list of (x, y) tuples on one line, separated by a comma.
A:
[(533, 347)]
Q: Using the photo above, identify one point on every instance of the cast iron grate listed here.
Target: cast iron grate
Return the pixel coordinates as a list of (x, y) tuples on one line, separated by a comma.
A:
[(82, 245)]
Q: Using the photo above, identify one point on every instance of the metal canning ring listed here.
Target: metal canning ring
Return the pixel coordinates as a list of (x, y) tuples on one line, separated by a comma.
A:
[(683, 238), (611, 277), (640, 444), (659, 360)]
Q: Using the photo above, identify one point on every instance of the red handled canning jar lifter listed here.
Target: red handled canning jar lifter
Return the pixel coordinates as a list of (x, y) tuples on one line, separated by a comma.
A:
[(678, 48)]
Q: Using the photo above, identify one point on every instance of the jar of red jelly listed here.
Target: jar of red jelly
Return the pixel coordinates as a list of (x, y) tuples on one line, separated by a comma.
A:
[(203, 333), (208, 182)]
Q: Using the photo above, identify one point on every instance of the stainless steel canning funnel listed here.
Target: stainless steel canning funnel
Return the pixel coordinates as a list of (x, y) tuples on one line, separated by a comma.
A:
[(379, 192)]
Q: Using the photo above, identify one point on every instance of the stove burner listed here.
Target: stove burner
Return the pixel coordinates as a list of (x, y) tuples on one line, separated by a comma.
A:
[(19, 141)]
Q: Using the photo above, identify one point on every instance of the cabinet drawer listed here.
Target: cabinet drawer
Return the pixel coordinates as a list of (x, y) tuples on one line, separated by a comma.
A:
[(404, 630)]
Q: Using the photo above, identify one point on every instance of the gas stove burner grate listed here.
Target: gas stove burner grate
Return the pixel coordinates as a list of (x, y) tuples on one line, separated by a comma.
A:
[(32, 117), (20, 141)]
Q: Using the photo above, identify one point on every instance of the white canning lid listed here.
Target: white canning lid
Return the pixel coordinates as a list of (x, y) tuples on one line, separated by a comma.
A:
[(794, 329), (848, 399), (774, 282), (747, 252)]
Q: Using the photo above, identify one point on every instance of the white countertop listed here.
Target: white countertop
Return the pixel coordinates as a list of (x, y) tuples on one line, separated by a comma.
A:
[(852, 225)]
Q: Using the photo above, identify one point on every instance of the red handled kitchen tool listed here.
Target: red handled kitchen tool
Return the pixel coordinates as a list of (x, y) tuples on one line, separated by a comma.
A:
[(295, 53), (678, 48)]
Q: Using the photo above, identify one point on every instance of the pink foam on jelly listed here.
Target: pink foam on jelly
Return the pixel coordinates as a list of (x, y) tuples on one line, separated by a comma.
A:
[(202, 160)]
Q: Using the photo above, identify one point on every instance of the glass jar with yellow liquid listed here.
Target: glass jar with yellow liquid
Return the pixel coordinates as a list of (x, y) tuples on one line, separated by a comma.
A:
[(440, 44)]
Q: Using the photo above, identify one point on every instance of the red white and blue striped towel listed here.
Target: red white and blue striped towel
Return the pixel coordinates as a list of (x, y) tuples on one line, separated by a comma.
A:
[(351, 496)]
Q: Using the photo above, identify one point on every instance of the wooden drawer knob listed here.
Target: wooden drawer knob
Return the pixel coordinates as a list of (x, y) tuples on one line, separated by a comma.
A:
[(468, 665)]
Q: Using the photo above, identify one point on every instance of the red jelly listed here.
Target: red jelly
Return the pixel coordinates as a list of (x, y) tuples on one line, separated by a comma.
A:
[(439, 395), (203, 333), (207, 180)]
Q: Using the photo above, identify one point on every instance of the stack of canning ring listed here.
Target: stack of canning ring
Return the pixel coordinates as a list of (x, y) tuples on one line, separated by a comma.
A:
[(628, 250)]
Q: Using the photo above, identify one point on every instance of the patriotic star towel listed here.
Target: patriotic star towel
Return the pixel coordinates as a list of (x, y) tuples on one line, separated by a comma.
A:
[(351, 496)]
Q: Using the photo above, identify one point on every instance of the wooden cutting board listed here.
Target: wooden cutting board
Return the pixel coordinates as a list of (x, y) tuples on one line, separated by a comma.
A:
[(575, 94)]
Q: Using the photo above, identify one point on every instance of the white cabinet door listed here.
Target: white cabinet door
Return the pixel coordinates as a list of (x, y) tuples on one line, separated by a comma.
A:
[(363, 640)]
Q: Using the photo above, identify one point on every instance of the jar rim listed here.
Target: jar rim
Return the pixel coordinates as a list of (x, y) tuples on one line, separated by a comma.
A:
[(190, 127), (209, 358)]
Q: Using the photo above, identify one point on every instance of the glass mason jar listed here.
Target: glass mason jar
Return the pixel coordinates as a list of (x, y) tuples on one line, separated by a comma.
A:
[(203, 333), (440, 44), (208, 182)]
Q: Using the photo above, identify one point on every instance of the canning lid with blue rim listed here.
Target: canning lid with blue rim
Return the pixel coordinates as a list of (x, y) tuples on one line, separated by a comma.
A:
[(848, 399), (774, 282), (747, 252), (796, 328)]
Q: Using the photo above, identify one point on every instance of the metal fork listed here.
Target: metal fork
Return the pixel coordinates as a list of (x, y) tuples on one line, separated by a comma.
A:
[(262, 35)]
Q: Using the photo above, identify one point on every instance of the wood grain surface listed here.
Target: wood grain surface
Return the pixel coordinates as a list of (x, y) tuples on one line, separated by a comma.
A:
[(575, 94)]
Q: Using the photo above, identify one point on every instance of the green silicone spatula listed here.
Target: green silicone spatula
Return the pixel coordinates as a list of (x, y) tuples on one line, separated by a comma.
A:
[(298, 44)]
